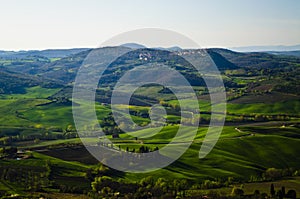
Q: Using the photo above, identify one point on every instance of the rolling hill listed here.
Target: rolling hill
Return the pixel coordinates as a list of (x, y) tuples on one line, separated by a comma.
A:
[(38, 137)]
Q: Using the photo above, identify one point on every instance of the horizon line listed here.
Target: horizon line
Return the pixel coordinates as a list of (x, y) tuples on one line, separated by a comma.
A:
[(201, 47)]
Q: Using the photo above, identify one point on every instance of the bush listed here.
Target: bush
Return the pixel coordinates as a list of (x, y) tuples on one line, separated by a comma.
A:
[(273, 174), (291, 194)]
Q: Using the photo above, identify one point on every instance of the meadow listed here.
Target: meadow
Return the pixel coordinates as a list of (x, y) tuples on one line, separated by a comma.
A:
[(42, 155)]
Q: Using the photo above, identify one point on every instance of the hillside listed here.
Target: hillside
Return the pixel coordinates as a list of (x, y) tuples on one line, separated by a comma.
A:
[(17, 83), (280, 48), (51, 53), (259, 143)]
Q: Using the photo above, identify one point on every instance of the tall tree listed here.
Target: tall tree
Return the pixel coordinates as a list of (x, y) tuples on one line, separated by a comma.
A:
[(283, 190), (272, 190)]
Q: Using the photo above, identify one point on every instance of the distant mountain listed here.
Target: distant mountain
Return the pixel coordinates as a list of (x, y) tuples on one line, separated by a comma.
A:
[(258, 60), (266, 48), (19, 74), (140, 46), (51, 53), (133, 45), (172, 49), (287, 53), (64, 70)]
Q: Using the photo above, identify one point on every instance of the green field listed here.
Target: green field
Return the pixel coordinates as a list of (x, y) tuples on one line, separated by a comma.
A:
[(31, 93), (42, 155)]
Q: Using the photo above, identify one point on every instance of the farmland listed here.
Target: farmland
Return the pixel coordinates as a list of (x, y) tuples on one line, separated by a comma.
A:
[(258, 146)]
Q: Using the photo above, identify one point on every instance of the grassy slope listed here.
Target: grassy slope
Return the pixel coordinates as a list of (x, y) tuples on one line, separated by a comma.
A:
[(66, 173), (228, 159), (233, 155), (32, 92), (284, 107), (287, 107), (236, 154)]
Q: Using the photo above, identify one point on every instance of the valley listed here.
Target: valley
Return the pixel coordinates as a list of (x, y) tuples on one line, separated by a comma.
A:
[(42, 155)]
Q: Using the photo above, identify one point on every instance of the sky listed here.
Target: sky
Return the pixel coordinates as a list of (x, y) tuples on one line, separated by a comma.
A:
[(45, 24)]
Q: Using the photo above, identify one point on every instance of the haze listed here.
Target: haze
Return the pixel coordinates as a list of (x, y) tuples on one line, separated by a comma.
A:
[(34, 24)]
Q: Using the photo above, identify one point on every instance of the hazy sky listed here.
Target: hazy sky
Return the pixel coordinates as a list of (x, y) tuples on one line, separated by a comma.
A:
[(42, 24)]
